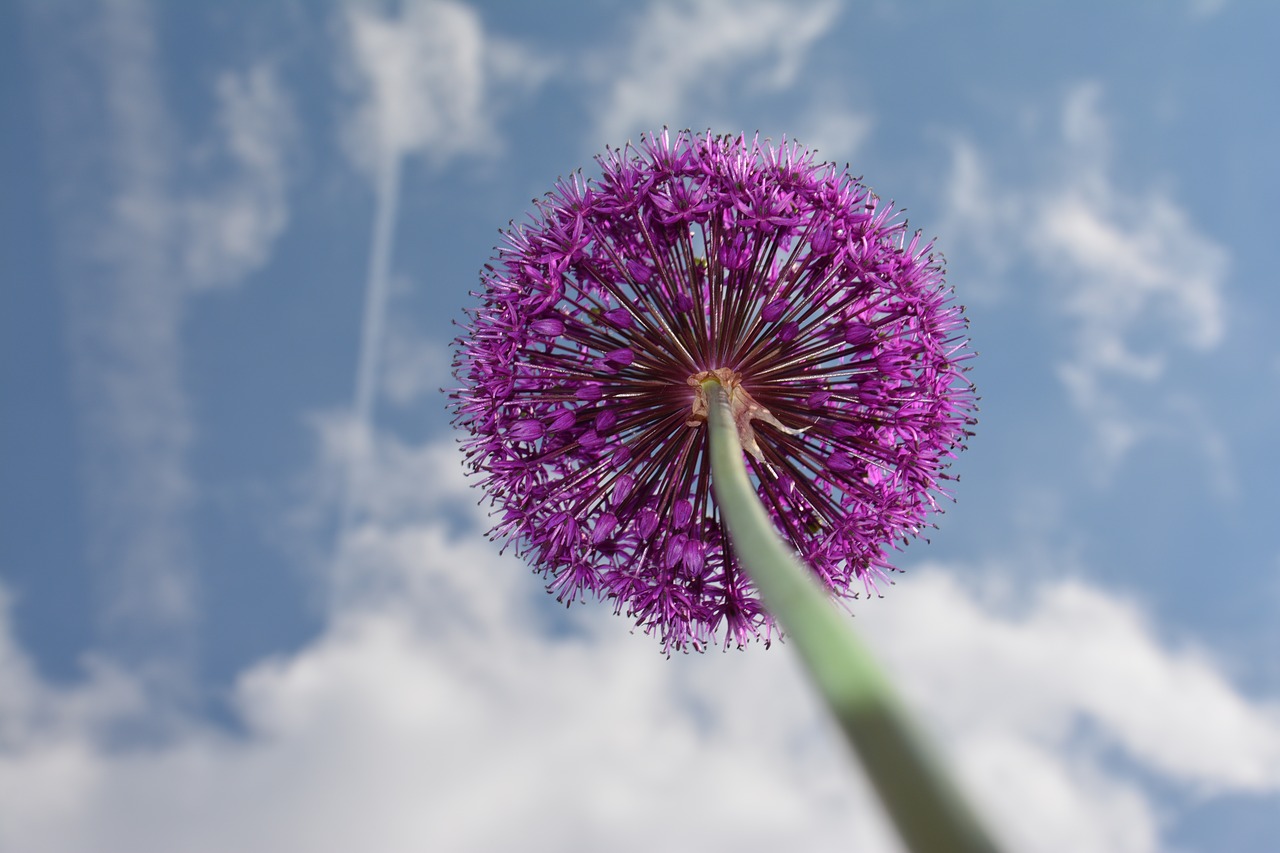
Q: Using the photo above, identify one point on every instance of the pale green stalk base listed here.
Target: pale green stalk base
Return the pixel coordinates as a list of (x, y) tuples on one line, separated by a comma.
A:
[(927, 809)]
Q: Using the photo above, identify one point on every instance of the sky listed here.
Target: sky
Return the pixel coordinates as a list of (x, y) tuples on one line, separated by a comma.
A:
[(246, 599)]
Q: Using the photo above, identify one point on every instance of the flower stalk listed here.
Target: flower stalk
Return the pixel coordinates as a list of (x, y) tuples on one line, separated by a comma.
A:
[(927, 809)]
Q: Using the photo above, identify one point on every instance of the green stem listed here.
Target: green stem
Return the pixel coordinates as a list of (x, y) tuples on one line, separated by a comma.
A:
[(928, 810)]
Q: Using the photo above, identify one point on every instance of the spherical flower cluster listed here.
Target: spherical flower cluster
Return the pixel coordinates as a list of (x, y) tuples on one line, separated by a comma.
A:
[(694, 257)]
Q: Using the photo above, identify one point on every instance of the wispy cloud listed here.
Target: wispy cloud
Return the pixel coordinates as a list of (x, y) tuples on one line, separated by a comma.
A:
[(834, 132), (1205, 8), (134, 239), (1137, 283), (124, 312), (445, 683), (1134, 268), (687, 54), (231, 227), (427, 81), (417, 367)]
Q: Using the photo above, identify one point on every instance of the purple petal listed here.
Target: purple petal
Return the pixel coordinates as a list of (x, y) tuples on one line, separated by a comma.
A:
[(647, 523), (774, 310), (620, 317), (527, 430), (606, 522), (622, 488), (639, 272), (841, 462), (606, 420), (858, 334), (622, 355), (549, 326)]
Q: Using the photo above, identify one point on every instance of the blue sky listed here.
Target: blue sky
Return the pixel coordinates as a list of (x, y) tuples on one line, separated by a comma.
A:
[(245, 599)]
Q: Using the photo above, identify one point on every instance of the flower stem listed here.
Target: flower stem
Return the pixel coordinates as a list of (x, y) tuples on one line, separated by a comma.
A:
[(928, 810)]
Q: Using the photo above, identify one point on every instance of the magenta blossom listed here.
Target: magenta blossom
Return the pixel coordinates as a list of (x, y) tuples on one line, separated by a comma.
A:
[(695, 257)]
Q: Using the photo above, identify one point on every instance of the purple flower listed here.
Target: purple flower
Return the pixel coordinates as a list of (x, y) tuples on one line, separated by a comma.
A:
[(698, 256)]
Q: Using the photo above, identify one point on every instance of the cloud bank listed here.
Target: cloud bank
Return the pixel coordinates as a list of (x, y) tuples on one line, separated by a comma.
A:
[(447, 706)]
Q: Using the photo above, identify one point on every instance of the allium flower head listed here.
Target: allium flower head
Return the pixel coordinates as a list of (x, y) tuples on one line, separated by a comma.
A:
[(693, 257)]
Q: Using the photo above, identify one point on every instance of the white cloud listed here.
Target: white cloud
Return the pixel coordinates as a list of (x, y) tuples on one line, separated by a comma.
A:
[(443, 708), (429, 82), (230, 230), (389, 474), (437, 712), (1206, 8), (417, 367), (110, 145), (1137, 282), (137, 230), (835, 134), (686, 53), (980, 219), (1078, 656)]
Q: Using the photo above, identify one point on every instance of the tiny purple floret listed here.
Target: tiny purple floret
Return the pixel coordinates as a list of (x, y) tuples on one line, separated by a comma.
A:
[(694, 255)]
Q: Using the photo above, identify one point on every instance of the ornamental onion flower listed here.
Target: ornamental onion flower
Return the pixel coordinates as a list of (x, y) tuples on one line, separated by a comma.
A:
[(695, 257)]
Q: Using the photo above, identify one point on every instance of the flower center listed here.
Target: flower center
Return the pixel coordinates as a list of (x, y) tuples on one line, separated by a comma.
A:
[(742, 406)]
